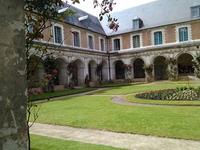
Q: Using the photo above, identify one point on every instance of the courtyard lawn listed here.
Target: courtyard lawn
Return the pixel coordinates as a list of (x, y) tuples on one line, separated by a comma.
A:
[(146, 87), (99, 112), (60, 93), (45, 143)]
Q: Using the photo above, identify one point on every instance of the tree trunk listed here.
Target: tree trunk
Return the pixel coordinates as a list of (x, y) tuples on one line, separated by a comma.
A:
[(13, 99)]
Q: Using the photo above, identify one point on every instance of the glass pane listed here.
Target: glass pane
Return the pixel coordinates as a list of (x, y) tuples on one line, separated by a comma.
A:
[(90, 42), (136, 41), (58, 35), (102, 44), (117, 44), (158, 38)]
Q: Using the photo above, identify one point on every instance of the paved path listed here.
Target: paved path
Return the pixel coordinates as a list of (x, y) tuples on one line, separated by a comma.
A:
[(119, 140)]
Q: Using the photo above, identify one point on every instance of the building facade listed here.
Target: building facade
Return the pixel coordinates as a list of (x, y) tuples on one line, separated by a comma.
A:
[(155, 41)]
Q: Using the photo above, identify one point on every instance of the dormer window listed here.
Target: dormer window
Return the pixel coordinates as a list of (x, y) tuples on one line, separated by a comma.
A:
[(195, 11), (137, 23)]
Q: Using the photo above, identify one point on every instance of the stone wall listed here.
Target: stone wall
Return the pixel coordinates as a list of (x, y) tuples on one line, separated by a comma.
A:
[(12, 76)]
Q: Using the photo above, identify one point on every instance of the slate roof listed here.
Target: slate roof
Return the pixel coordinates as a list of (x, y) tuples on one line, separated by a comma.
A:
[(91, 23), (153, 14)]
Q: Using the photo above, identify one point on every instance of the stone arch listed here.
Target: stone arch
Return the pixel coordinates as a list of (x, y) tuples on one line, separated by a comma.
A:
[(160, 68), (61, 67), (119, 69), (35, 70), (92, 65), (185, 64), (77, 72), (138, 68)]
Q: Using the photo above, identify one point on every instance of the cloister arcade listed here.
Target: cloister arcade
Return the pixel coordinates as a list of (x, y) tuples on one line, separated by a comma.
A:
[(117, 67)]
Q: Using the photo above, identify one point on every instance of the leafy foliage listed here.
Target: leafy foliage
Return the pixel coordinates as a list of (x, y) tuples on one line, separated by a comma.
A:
[(182, 93), (172, 69), (149, 72), (197, 65)]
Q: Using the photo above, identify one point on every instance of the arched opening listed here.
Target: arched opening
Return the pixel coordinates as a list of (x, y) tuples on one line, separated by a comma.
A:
[(185, 64), (138, 68), (61, 67), (35, 71), (119, 70), (76, 72), (160, 68), (92, 70)]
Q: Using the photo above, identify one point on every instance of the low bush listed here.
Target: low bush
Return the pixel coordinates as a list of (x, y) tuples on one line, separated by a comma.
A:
[(181, 93)]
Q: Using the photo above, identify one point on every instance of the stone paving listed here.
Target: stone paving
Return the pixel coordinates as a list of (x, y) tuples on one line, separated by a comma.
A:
[(118, 140)]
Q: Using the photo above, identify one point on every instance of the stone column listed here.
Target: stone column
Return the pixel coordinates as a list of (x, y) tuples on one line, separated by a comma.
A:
[(63, 75), (112, 70), (149, 70), (12, 76)]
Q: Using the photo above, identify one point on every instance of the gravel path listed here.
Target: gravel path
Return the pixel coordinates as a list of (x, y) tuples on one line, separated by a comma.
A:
[(118, 140)]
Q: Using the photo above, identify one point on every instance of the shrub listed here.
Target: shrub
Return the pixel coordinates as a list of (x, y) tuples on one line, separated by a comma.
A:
[(182, 93)]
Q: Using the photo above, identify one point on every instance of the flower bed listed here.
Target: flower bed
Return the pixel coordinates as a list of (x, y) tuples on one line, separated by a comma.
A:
[(183, 93)]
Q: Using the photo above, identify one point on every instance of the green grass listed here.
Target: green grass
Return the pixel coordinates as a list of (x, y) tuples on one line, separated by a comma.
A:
[(59, 93), (145, 87), (99, 112), (45, 143), (132, 98)]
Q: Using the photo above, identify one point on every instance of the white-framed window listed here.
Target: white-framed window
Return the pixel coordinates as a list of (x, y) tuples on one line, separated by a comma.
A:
[(136, 40), (90, 40), (136, 24), (195, 11), (117, 43), (76, 37), (183, 33), (158, 37), (58, 34)]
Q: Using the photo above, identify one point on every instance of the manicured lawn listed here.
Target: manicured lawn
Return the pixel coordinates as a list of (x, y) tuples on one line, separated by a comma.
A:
[(146, 87), (59, 93), (44, 143), (132, 98), (99, 112)]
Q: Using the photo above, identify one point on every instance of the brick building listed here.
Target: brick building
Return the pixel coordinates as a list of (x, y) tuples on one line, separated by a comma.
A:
[(153, 40)]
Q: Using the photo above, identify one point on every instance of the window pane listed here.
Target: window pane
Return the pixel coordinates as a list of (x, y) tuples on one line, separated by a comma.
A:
[(183, 34), (90, 42), (76, 39), (136, 24), (117, 44), (195, 11), (58, 34), (136, 41), (158, 38), (102, 44)]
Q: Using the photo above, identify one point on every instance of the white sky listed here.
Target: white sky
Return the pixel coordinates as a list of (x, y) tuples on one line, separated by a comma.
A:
[(87, 5)]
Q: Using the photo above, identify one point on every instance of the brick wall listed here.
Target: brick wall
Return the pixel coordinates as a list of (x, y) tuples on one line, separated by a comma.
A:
[(170, 35), (195, 30)]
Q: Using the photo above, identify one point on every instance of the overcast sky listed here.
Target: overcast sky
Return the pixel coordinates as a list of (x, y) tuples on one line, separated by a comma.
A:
[(87, 5)]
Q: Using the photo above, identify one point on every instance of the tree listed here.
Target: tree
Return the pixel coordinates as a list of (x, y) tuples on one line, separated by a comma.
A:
[(38, 17), (197, 65)]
